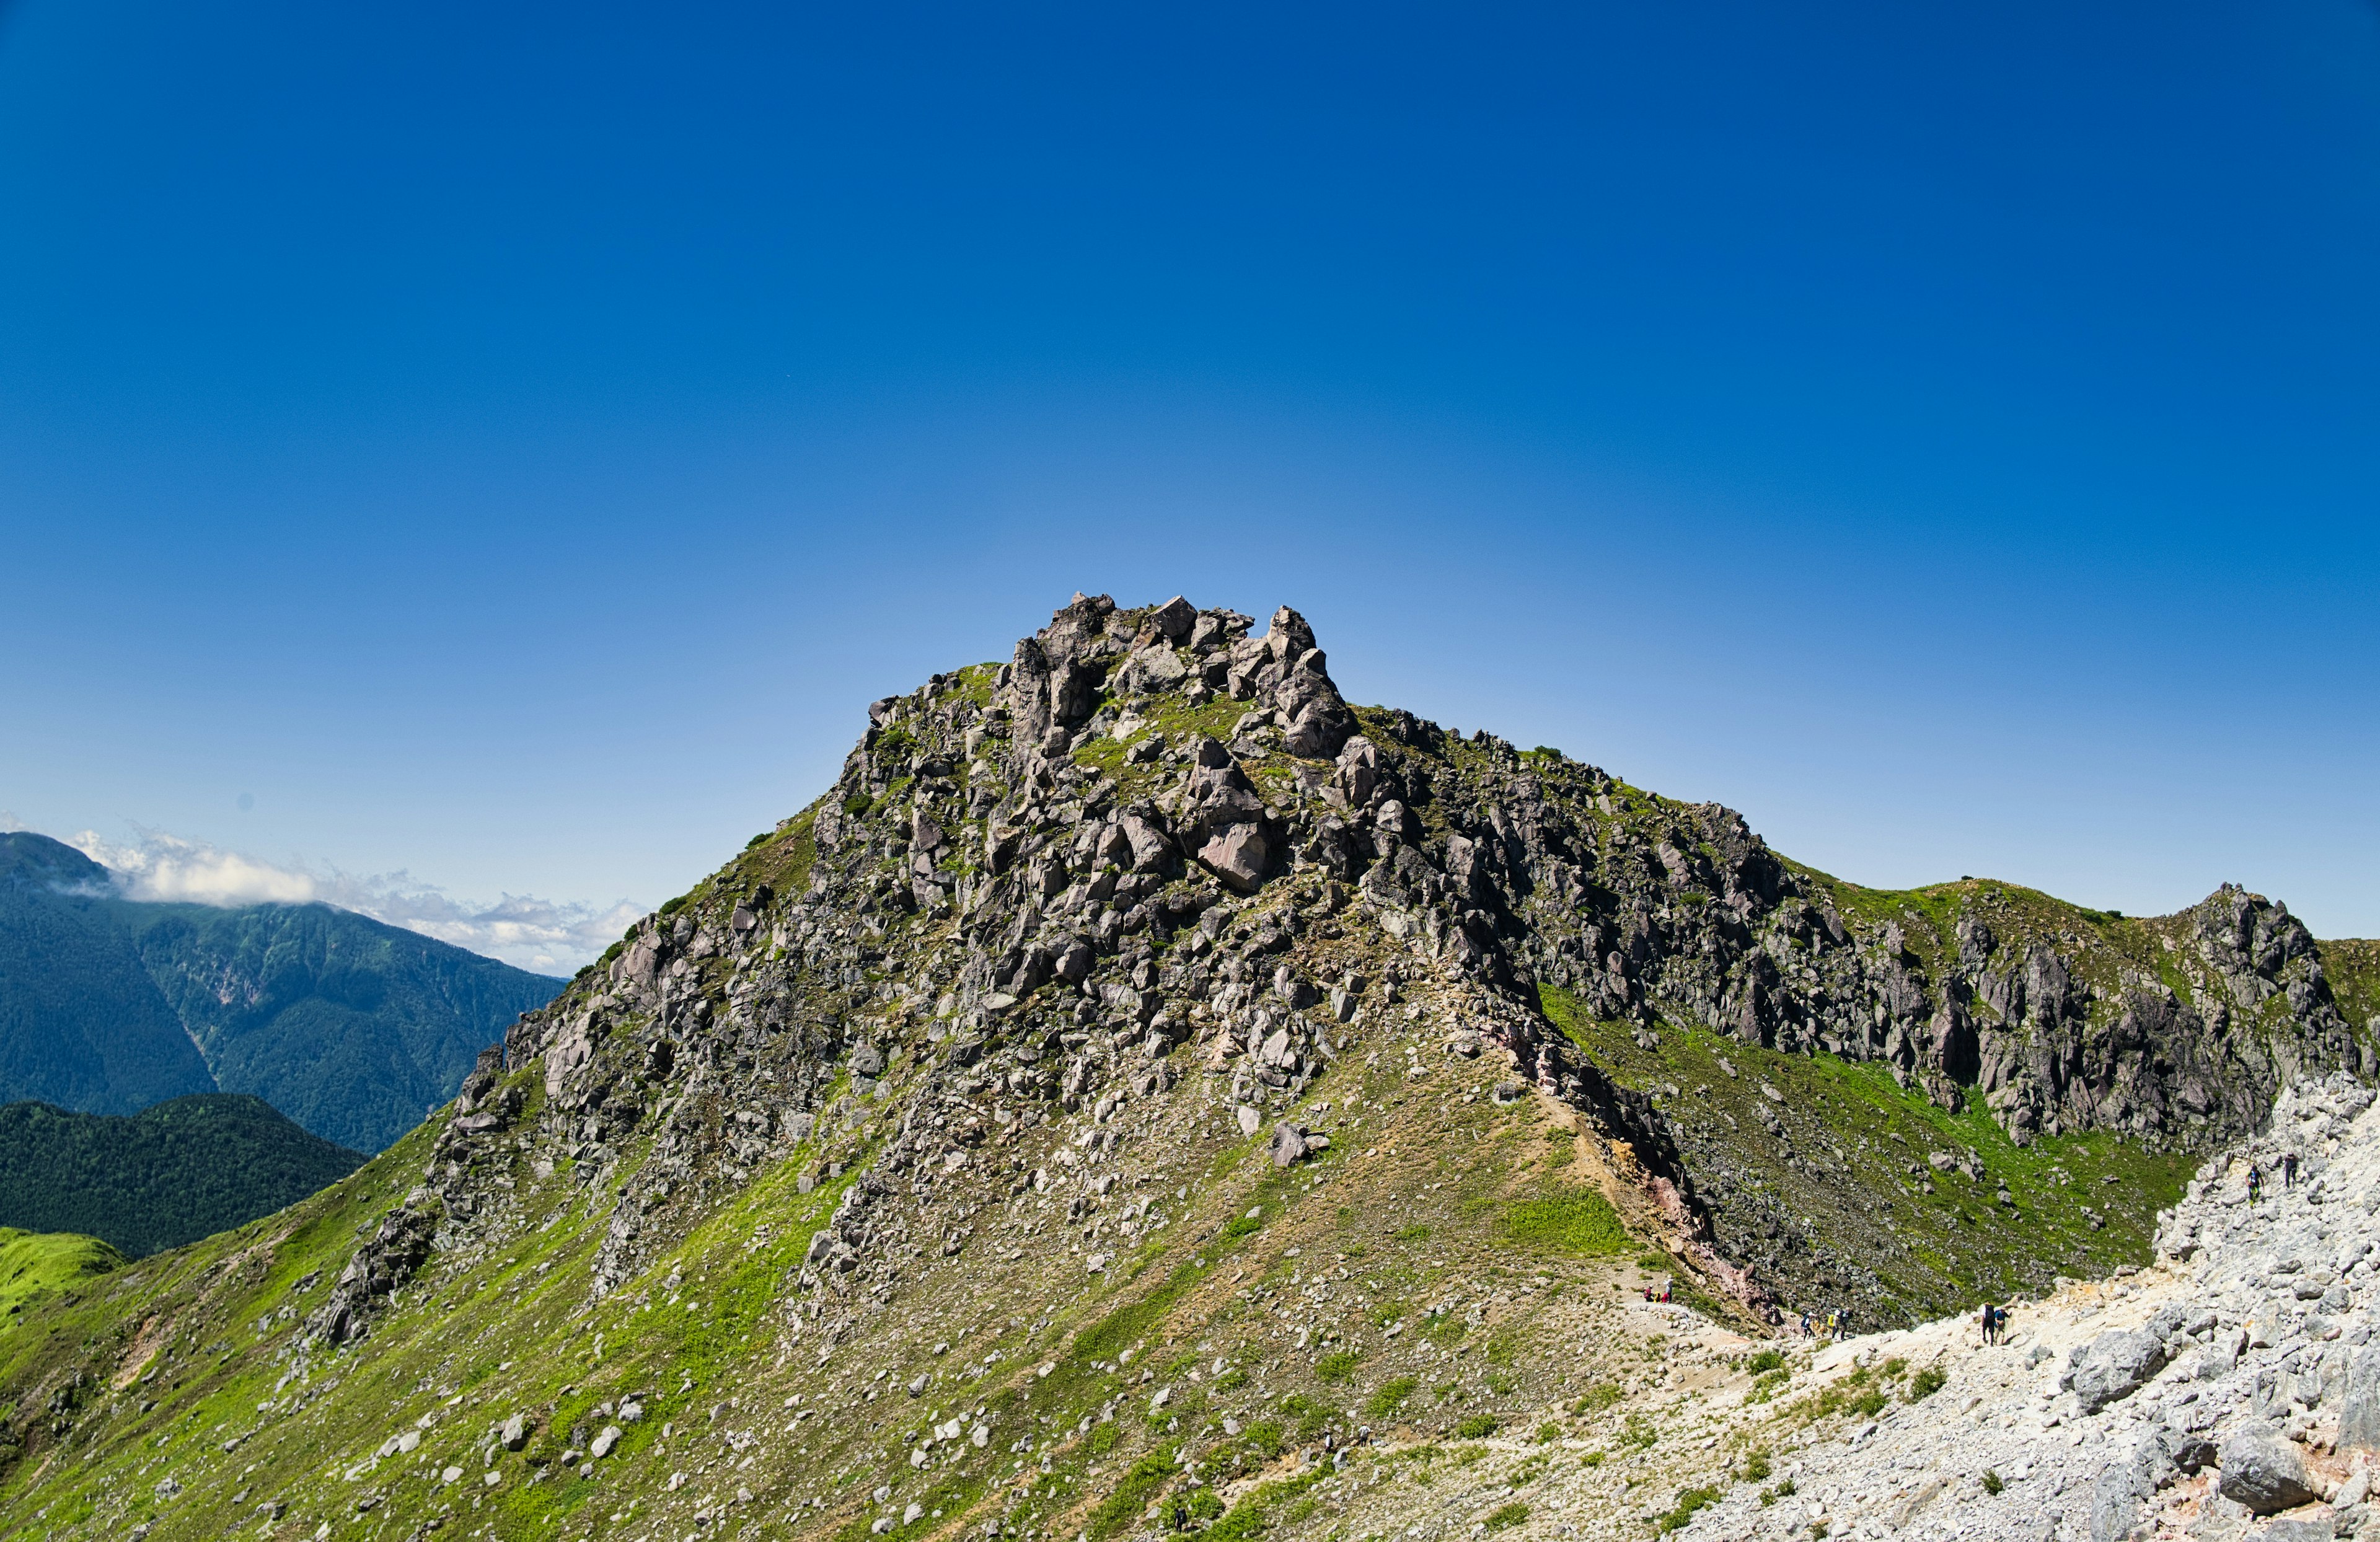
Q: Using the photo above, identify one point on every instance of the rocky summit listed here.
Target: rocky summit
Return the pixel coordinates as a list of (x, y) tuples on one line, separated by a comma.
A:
[(1147, 1095)]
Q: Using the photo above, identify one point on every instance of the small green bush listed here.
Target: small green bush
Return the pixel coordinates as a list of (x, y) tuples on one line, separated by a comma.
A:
[(1688, 1502), (1338, 1365), (1132, 1493), (1511, 1514), (1592, 1459), (1992, 1483), (1475, 1427), (1412, 1233), (1103, 1437), (1602, 1395), (1246, 1225), (1767, 1360), (1926, 1383), (1895, 1366), (1548, 1432), (1756, 1467), (1577, 1220), (1390, 1396)]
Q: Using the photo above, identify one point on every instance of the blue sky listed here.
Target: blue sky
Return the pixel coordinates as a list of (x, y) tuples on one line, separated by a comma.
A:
[(508, 450)]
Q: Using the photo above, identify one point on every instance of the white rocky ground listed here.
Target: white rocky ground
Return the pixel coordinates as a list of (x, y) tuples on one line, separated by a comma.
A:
[(2229, 1391), (2153, 1405)]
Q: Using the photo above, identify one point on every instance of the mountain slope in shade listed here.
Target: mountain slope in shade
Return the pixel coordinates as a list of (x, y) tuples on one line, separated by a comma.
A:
[(82, 1024), (165, 1176), (352, 1027)]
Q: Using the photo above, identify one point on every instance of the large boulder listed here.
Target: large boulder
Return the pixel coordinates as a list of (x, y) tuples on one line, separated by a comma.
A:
[(2115, 1364), (2359, 1417), (1237, 856), (2265, 1471)]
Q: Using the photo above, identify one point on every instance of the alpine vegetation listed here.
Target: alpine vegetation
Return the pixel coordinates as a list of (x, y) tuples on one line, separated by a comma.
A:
[(1147, 1094)]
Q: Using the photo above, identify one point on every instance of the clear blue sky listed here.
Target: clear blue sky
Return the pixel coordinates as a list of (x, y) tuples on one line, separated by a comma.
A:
[(509, 445)]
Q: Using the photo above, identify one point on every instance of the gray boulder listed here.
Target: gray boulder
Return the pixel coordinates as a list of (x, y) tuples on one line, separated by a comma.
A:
[(1288, 1144), (2123, 1486), (2114, 1366), (1174, 619), (2265, 1471), (2319, 1525), (1237, 856), (2359, 1417), (1151, 849)]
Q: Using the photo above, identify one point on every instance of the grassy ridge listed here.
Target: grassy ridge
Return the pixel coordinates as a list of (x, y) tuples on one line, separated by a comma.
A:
[(34, 1265)]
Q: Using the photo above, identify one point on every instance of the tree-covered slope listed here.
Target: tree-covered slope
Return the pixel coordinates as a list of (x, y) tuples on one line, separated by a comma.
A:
[(1147, 1095), (352, 1027), (82, 1024), (167, 1175)]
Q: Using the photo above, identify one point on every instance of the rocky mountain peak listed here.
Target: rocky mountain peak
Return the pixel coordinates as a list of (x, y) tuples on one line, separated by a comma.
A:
[(1170, 1041)]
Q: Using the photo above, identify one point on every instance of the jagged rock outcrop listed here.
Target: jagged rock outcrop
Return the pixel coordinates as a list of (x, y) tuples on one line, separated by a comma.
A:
[(1156, 845)]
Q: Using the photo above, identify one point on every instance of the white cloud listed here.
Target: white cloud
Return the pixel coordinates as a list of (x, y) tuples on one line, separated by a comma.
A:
[(551, 937)]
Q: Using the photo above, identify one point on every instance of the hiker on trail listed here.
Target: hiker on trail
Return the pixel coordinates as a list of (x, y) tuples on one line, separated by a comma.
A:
[(2255, 1184), (1999, 1325), (1805, 1324), (1985, 1323), (2288, 1170)]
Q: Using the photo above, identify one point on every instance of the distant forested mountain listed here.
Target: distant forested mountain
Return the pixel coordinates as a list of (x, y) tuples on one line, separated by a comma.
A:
[(81, 1023), (170, 1175), (351, 1027)]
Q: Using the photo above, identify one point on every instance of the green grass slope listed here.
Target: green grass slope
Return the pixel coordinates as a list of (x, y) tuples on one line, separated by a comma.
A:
[(1286, 1302), (168, 1175), (37, 1266)]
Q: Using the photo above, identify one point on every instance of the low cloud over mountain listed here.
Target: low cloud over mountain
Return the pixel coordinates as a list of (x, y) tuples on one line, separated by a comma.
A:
[(546, 936)]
